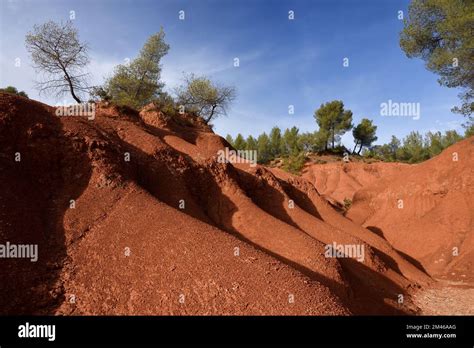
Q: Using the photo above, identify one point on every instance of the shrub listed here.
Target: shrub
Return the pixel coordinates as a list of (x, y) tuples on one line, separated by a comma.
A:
[(136, 84), (100, 93), (347, 203), (13, 90), (207, 99), (166, 104), (294, 163)]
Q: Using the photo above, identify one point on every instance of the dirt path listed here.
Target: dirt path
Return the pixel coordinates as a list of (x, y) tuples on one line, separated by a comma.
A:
[(446, 298)]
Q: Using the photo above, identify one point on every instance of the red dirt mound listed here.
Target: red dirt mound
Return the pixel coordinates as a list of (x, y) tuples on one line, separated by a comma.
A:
[(134, 214), (337, 181), (425, 211)]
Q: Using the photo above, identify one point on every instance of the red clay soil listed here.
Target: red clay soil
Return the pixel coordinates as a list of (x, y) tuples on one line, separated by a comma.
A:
[(337, 181), (158, 226), (425, 211)]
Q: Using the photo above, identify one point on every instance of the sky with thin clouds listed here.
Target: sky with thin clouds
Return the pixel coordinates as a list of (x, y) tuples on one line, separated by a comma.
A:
[(283, 62)]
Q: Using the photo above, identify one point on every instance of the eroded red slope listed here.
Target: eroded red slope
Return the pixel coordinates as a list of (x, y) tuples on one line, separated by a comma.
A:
[(426, 211), (156, 223)]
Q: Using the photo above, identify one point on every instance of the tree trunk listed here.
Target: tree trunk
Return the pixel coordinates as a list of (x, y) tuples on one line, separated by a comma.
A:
[(360, 149), (71, 88), (73, 94), (357, 143), (333, 138), (210, 115)]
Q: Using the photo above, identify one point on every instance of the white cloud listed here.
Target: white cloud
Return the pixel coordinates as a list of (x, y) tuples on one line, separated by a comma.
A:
[(449, 125), (101, 68), (203, 61)]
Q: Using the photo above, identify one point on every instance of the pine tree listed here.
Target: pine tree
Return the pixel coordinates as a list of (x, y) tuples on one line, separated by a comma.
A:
[(204, 97), (264, 150), (137, 83), (239, 143), (441, 33), (290, 144), (229, 139), (250, 143), (333, 120), (275, 142), (364, 134)]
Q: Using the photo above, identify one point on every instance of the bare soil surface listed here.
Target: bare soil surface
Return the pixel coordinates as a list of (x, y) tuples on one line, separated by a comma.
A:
[(425, 211), (134, 214), (446, 298)]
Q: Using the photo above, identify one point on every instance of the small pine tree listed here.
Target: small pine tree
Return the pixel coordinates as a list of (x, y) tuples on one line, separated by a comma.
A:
[(204, 97), (364, 134), (250, 143), (289, 144), (264, 150), (13, 90), (294, 163), (137, 83), (333, 120), (413, 149), (275, 142), (229, 139), (239, 143)]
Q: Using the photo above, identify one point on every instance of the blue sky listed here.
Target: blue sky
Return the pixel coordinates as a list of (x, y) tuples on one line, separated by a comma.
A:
[(282, 62)]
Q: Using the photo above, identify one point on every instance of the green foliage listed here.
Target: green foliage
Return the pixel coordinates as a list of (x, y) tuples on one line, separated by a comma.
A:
[(469, 130), (436, 143), (333, 120), (415, 147), (250, 143), (347, 203), (312, 142), (275, 142), (294, 163), (306, 142), (204, 97), (239, 142), (320, 140), (137, 83), (166, 104), (229, 139), (100, 93), (451, 137), (292, 146), (13, 90), (264, 150), (393, 147), (289, 144), (364, 134), (441, 33), (386, 152)]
